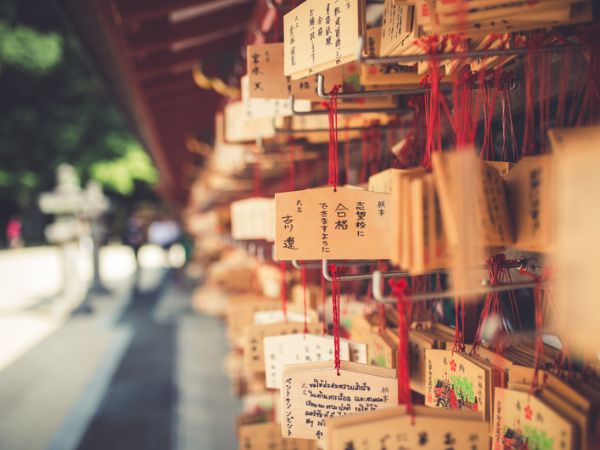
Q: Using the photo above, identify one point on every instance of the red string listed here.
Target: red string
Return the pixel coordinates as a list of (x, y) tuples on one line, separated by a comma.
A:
[(402, 361), (333, 138), (283, 290), (432, 102), (303, 273), (538, 321), (590, 109), (492, 299), (335, 309), (459, 325), (508, 129), (530, 77), (323, 305)]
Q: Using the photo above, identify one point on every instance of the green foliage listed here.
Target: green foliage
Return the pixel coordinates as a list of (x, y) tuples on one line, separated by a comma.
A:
[(55, 111), (463, 388), (26, 48), (120, 174), (537, 439)]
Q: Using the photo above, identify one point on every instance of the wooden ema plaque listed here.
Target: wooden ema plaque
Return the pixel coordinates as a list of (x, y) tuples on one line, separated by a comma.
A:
[(577, 244), (302, 348), (313, 392), (499, 15), (323, 224), (292, 315), (522, 420), (319, 35), (453, 382), (381, 74), (267, 436), (393, 429), (252, 218), (240, 313), (254, 357), (530, 186), (266, 78), (396, 25)]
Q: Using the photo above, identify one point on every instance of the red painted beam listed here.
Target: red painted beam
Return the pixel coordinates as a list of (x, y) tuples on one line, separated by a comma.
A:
[(137, 11), (166, 61), (163, 34)]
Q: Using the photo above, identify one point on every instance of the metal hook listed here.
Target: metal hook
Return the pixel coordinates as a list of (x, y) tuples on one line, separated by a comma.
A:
[(357, 277), (410, 59), (366, 94), (304, 265), (343, 110), (464, 293)]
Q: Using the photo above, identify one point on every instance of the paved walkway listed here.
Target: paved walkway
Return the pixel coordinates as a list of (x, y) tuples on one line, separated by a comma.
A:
[(141, 373)]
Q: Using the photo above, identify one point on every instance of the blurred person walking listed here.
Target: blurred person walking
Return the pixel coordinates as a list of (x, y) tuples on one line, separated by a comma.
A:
[(14, 228), (135, 236)]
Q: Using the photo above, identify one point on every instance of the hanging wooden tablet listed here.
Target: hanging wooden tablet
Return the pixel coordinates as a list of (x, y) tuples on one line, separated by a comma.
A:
[(522, 420), (474, 212), (252, 218), (320, 35), (266, 78), (270, 108), (323, 224), (240, 313), (394, 428), (577, 247), (428, 245), (303, 348), (295, 314), (391, 181), (382, 351), (254, 357), (262, 436), (238, 127), (418, 344), (530, 186), (396, 24), (453, 382), (313, 392), (385, 74)]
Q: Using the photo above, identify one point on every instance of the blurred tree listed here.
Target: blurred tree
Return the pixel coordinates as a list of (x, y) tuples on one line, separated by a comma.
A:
[(54, 110)]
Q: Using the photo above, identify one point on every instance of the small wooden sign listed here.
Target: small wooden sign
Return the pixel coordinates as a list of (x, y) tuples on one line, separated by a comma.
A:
[(276, 315), (385, 74), (261, 108), (396, 24), (311, 393), (302, 348), (323, 224), (522, 420), (530, 186), (238, 127), (240, 313), (266, 78), (428, 243), (394, 428), (252, 218), (254, 356), (262, 436), (454, 382), (577, 243), (320, 35)]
